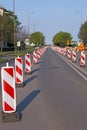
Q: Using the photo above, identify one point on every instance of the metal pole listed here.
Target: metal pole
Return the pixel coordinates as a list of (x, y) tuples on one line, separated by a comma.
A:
[(34, 27), (29, 24), (14, 22)]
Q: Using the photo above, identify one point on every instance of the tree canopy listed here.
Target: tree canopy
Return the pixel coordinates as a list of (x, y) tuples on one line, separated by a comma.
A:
[(62, 38), (83, 32), (37, 38)]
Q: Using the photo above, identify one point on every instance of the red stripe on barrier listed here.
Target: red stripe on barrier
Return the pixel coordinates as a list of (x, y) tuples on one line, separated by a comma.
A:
[(7, 107), (9, 71), (28, 55), (20, 60), (35, 56), (18, 70), (8, 89), (83, 57), (28, 63), (18, 80), (26, 70)]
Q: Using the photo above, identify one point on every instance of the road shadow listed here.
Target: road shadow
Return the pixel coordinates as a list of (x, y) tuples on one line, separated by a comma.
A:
[(48, 68), (26, 101), (29, 79), (39, 62), (35, 70)]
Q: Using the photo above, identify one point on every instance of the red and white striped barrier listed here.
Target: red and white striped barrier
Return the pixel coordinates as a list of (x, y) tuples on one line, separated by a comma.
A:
[(82, 60), (27, 63), (42, 51), (39, 53), (69, 54), (19, 71), (8, 89), (73, 56), (64, 52), (34, 57)]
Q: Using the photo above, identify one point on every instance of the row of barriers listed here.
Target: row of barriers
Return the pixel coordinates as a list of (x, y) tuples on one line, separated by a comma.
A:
[(12, 77), (72, 54)]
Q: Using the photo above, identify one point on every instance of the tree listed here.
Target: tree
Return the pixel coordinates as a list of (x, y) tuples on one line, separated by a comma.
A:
[(7, 27), (62, 38), (83, 32), (37, 38)]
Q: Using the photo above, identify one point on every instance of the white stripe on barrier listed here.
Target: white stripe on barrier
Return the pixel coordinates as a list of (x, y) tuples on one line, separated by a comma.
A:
[(9, 100), (18, 64), (9, 79), (19, 76)]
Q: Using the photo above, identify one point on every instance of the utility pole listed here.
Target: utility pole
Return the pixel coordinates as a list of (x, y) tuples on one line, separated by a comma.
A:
[(14, 26)]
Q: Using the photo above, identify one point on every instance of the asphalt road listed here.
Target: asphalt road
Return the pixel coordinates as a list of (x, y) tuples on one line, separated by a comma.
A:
[(54, 97)]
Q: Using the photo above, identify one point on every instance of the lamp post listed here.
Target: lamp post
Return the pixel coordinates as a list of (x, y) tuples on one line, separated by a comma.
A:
[(34, 27), (14, 24), (29, 24)]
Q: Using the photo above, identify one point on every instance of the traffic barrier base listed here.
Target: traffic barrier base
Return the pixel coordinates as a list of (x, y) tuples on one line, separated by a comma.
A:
[(27, 73), (82, 65), (10, 117), (20, 85)]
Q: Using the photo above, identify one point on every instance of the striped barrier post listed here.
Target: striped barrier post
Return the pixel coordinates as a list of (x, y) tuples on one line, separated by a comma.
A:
[(69, 54), (35, 57), (19, 72), (73, 56), (28, 64), (64, 52), (9, 112), (82, 59), (39, 53)]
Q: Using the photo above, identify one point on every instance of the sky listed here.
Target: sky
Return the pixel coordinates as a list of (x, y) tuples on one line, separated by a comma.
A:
[(50, 16)]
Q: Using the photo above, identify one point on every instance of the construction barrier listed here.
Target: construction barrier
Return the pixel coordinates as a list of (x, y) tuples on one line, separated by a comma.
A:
[(8, 94), (39, 53), (69, 54), (34, 57), (19, 72), (64, 52), (28, 63), (82, 58), (73, 56)]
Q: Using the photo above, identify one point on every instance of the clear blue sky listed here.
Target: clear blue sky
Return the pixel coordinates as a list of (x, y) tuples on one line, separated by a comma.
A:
[(50, 16)]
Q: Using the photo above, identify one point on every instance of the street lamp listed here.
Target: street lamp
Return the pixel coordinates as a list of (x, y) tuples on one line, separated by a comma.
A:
[(29, 24), (34, 27)]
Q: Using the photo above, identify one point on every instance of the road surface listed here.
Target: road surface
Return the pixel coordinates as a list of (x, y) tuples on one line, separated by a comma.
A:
[(54, 97)]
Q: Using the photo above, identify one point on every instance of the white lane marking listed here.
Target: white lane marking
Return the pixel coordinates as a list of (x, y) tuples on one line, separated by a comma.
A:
[(74, 68)]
